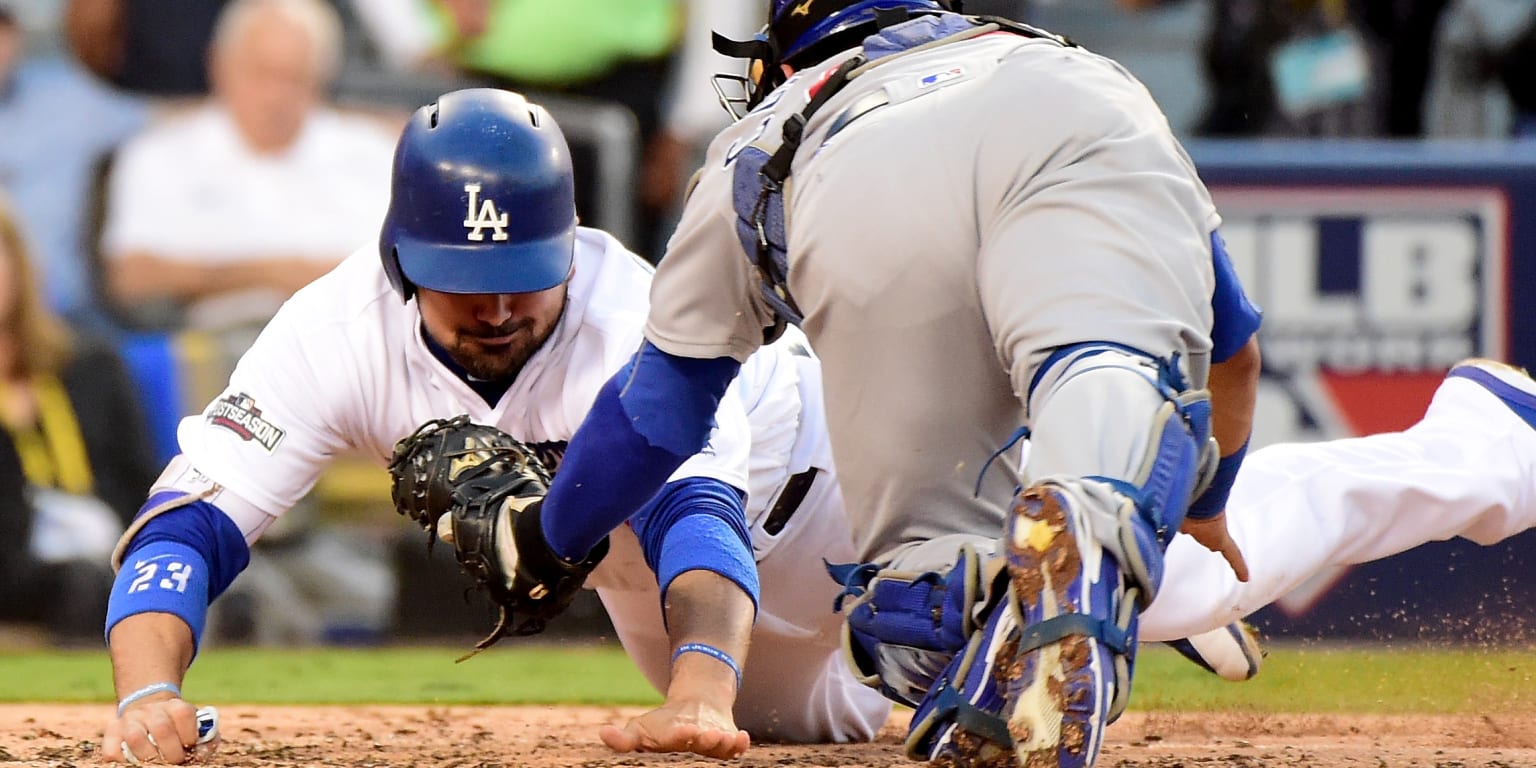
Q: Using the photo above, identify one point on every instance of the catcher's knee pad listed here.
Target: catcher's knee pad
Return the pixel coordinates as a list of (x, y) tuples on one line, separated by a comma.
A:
[(902, 627), (1135, 508)]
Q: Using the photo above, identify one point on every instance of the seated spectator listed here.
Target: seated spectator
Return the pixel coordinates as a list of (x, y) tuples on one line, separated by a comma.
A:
[(75, 457), (223, 212), (58, 123)]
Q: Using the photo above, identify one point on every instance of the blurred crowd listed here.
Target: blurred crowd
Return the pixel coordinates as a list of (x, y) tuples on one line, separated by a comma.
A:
[(172, 170)]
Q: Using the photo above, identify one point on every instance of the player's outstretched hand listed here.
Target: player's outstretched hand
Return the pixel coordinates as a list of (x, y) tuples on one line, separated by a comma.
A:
[(1213, 535), (682, 727), (166, 730)]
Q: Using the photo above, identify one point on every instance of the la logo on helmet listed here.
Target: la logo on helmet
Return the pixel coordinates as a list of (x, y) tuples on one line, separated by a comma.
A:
[(487, 216)]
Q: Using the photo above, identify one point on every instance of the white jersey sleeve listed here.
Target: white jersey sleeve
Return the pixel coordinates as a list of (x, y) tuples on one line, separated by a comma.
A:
[(281, 419)]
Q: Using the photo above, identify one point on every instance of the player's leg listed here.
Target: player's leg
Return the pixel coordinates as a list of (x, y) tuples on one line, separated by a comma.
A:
[(1118, 445), (1095, 289), (1466, 469)]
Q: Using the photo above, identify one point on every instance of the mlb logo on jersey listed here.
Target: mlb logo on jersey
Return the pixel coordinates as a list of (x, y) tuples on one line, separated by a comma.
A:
[(486, 216), (939, 78), (238, 413)]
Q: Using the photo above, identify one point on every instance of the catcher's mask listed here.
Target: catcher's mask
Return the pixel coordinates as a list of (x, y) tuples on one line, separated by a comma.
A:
[(801, 33), (481, 200)]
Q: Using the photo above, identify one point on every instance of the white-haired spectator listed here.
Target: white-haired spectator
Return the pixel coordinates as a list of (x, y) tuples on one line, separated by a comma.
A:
[(227, 210)]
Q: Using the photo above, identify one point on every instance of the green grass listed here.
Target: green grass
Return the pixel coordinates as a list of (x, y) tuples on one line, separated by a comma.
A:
[(525, 674), (1295, 679), (1347, 679)]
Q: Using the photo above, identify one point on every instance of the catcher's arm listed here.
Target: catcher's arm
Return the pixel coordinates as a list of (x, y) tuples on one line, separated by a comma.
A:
[(695, 538), (480, 489), (653, 414), (1234, 384)]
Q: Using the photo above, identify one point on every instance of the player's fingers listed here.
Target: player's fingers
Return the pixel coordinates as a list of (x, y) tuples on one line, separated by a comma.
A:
[(160, 744), (678, 738), (722, 745), (166, 745), (1235, 559), (183, 719), (111, 741), (135, 745), (619, 739), (163, 733), (743, 743)]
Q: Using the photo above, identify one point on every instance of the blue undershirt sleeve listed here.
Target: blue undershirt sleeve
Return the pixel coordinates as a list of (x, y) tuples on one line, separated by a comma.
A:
[(1236, 318), (697, 523), (178, 564), (648, 419)]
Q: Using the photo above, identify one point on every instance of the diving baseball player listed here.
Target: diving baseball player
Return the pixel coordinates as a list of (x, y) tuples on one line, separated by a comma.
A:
[(490, 301)]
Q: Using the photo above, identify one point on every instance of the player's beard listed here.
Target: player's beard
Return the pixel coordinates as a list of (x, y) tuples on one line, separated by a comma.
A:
[(503, 360)]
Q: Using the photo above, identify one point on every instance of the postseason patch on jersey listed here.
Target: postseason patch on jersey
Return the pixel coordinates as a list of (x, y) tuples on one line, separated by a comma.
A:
[(238, 413)]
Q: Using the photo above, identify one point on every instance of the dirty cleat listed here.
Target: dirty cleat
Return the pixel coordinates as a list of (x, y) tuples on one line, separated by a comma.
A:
[(960, 722), (1231, 653), (1077, 640)]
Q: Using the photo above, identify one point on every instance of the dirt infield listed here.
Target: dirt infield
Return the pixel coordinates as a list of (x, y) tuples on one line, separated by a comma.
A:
[(58, 736)]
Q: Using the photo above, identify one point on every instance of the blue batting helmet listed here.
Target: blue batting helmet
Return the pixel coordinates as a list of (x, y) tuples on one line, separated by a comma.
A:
[(482, 199), (798, 25)]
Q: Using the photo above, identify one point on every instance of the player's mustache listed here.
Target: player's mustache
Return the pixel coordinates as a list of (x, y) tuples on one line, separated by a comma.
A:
[(505, 329)]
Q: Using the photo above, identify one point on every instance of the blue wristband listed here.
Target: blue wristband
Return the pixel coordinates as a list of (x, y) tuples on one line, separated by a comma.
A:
[(162, 577), (712, 652), (148, 690), (1214, 501)]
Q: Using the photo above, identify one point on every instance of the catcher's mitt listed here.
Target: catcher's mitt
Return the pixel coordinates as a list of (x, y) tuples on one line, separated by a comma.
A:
[(490, 485)]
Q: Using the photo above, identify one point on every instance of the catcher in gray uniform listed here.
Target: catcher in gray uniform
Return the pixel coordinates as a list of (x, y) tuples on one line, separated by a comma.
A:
[(987, 232)]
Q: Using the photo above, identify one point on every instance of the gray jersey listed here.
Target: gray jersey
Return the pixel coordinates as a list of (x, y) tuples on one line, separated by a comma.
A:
[(1013, 196)]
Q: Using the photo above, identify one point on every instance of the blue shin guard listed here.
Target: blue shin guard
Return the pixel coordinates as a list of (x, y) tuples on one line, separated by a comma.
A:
[(901, 627)]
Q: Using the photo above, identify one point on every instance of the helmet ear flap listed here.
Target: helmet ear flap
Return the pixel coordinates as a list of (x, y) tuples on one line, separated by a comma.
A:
[(403, 286)]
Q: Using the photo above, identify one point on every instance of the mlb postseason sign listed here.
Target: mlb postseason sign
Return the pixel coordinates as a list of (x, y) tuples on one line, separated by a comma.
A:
[(1378, 266)]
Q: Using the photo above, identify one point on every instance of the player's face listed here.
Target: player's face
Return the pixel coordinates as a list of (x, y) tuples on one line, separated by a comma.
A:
[(491, 335)]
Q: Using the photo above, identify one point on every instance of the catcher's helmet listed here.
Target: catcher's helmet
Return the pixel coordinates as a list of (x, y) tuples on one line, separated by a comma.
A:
[(802, 33), (482, 199), (796, 26)]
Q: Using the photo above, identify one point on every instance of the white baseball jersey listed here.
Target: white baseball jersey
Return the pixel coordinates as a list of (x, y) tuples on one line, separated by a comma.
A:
[(343, 367), (1009, 197)]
